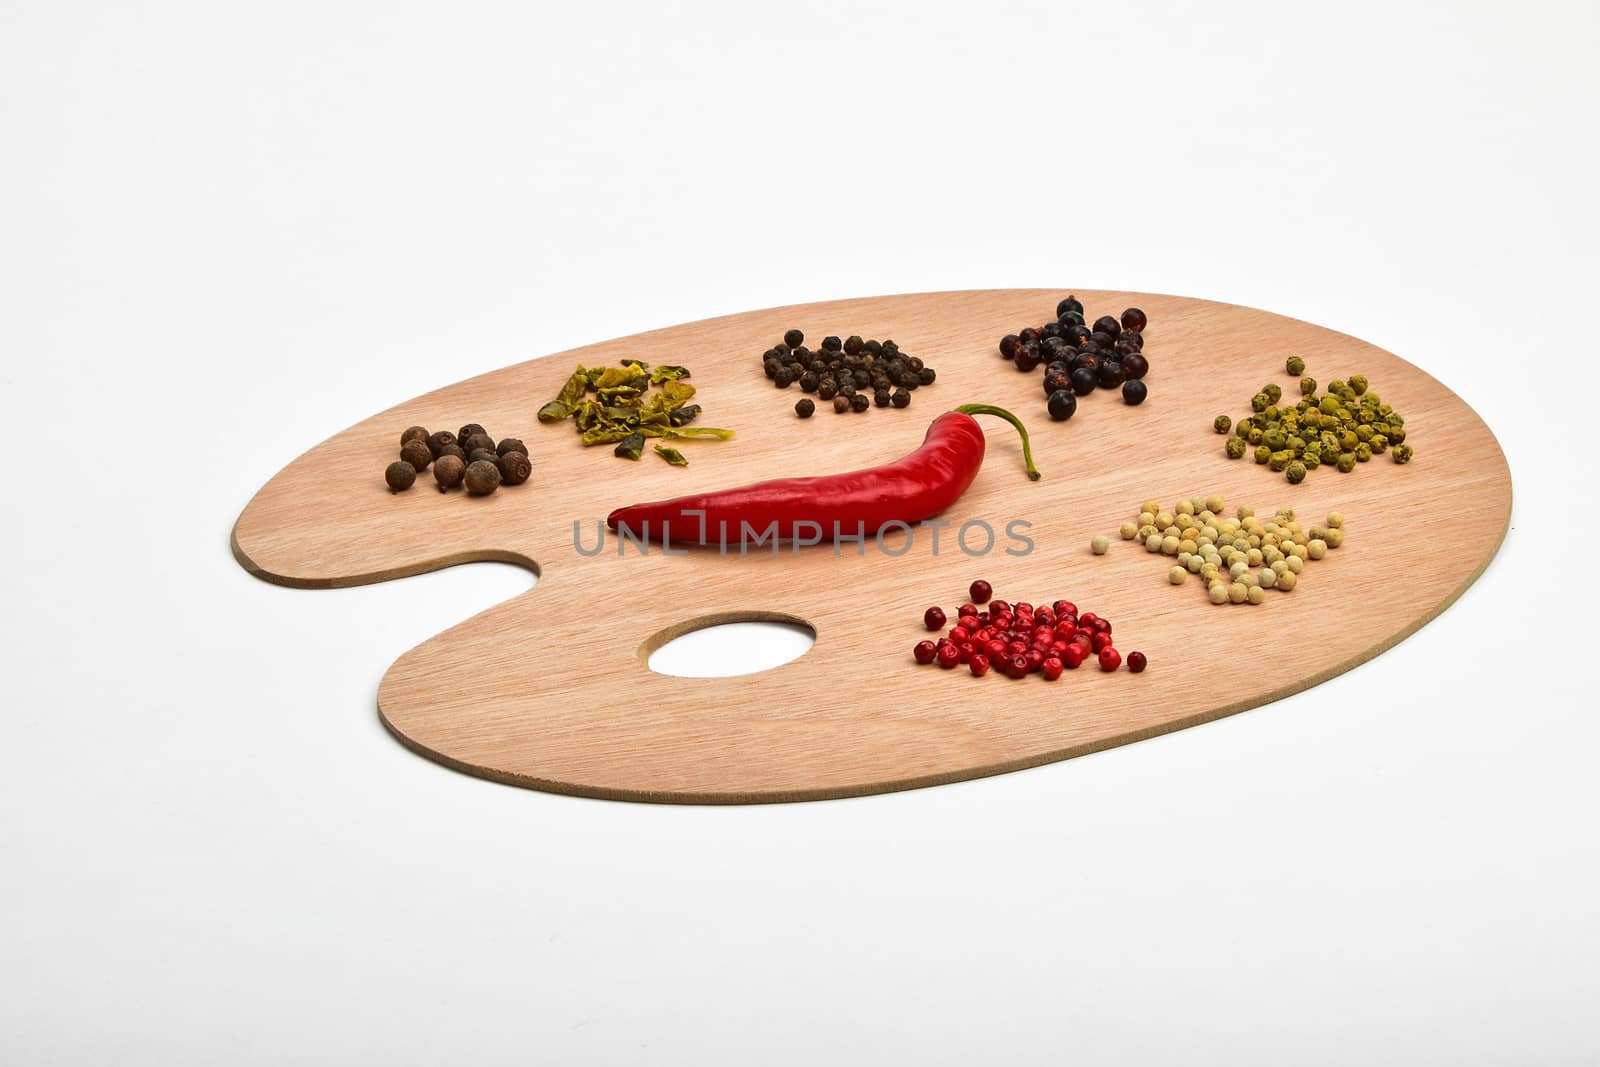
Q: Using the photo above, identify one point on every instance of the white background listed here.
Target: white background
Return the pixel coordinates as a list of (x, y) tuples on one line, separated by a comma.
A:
[(227, 231)]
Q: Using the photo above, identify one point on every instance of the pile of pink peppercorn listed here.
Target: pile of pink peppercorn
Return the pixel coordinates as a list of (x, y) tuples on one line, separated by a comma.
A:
[(1020, 639)]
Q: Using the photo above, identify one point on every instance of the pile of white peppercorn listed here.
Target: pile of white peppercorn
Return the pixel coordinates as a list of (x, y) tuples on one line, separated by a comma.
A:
[(1239, 558)]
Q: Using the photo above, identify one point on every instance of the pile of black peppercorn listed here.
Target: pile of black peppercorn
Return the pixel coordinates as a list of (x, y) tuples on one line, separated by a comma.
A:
[(1080, 358), (469, 457), (845, 372)]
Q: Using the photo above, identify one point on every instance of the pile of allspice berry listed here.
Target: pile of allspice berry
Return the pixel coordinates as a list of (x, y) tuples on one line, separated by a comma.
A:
[(1239, 558), (845, 372), (1348, 424), (468, 458)]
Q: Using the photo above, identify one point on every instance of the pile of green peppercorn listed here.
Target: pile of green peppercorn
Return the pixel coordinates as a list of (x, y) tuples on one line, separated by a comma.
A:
[(845, 372), (1080, 358), (469, 457), (1347, 425)]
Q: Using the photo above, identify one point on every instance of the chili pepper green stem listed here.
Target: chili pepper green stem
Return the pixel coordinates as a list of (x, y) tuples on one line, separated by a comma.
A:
[(1022, 431)]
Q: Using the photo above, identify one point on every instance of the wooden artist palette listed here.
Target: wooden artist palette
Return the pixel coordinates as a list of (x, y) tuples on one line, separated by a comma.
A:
[(551, 690)]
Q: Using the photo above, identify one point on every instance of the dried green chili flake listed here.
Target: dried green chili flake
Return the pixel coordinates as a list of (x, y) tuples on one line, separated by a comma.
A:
[(617, 405), (620, 396), (673, 395), (588, 413), (690, 433), (605, 434), (631, 373), (671, 455), (668, 373), (564, 403)]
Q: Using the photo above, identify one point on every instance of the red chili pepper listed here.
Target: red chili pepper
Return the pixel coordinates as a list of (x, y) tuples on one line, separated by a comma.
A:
[(914, 488)]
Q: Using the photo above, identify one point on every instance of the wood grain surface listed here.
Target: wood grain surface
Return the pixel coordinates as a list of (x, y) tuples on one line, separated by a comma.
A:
[(551, 690)]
